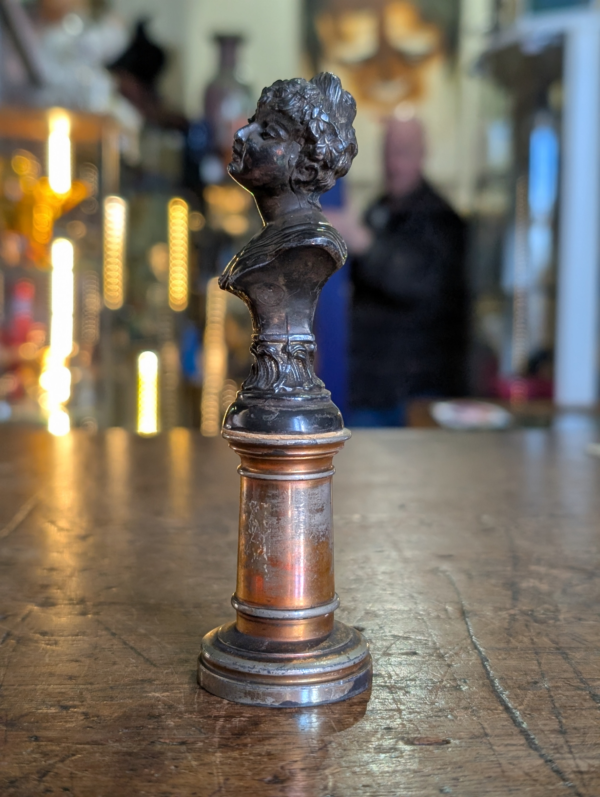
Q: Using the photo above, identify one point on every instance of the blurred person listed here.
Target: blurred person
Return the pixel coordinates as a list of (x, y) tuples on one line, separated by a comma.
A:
[(409, 307)]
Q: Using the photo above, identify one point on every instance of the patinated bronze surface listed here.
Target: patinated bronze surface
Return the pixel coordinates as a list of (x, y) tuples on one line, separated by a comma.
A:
[(470, 561), (294, 148), (285, 648)]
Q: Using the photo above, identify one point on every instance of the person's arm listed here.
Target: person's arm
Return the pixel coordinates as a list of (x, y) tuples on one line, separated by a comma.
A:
[(349, 224)]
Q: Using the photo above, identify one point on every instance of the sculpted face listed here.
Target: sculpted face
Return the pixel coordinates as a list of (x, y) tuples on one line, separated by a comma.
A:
[(297, 144), (404, 153), (265, 152)]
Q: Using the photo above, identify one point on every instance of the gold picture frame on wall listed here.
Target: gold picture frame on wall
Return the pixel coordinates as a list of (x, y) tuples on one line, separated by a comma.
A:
[(382, 50)]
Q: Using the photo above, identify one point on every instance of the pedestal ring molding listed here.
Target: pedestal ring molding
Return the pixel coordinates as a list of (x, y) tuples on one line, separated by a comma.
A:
[(284, 614), (288, 477)]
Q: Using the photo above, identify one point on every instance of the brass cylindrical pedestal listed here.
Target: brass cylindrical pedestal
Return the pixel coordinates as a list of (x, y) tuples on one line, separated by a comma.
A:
[(285, 649)]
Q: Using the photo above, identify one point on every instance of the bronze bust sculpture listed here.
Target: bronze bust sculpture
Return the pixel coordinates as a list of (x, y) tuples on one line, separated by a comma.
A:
[(299, 141), (285, 648)]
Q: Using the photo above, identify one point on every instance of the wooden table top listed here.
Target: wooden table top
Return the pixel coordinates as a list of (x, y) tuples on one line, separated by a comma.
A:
[(471, 561)]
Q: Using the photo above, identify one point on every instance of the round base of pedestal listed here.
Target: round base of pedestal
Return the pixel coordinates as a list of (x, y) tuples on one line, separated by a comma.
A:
[(264, 673)]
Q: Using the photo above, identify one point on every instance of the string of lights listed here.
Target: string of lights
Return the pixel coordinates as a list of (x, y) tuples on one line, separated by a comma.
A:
[(115, 234), (178, 223), (215, 359)]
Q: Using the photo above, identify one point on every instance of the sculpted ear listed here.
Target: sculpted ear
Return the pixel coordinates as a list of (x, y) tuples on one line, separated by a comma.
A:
[(306, 173)]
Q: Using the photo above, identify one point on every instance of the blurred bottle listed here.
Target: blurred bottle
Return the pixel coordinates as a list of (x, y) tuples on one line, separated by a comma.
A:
[(227, 104)]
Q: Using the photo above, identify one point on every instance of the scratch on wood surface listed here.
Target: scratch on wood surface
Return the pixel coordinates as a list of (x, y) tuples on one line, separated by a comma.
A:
[(126, 643), (583, 681), (51, 766), (20, 516), (503, 698), (515, 587), (555, 708), (10, 634)]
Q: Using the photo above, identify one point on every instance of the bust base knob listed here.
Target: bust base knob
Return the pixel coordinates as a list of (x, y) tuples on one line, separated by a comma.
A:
[(276, 416)]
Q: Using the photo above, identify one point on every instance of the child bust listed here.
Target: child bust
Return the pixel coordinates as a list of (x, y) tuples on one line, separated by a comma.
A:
[(294, 148)]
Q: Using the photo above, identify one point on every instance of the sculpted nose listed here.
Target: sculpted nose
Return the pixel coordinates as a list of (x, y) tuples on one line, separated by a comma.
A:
[(243, 133)]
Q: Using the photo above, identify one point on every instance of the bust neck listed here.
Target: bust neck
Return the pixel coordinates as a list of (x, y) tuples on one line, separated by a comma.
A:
[(279, 208)]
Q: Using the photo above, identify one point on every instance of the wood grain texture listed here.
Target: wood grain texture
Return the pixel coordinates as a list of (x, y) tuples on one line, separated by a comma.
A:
[(471, 562)]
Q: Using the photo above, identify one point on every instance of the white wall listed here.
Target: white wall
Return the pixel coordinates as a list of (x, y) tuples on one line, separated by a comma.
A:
[(476, 21)]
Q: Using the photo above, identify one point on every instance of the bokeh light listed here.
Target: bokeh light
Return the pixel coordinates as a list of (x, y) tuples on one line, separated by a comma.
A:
[(147, 419), (215, 359), (55, 379), (115, 234), (59, 152), (178, 214)]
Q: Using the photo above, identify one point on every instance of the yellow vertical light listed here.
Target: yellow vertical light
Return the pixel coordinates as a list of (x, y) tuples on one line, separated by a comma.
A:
[(61, 299), (215, 359), (92, 304), (178, 223), (169, 379), (59, 152), (115, 236), (55, 378), (147, 420), (180, 454)]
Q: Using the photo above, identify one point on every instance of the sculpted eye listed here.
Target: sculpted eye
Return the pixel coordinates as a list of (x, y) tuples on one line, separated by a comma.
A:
[(274, 131)]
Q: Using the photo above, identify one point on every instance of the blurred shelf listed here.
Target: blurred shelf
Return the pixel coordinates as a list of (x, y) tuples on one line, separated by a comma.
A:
[(33, 124)]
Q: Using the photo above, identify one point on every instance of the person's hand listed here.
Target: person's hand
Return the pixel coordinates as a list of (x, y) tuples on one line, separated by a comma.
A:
[(348, 223)]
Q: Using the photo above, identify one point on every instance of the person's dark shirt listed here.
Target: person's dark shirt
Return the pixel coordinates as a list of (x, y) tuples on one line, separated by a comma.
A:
[(409, 319)]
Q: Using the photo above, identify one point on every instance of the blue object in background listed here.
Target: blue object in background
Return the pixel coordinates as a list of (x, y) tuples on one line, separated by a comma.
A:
[(332, 320), (369, 418), (555, 5), (543, 169), (189, 353), (332, 330)]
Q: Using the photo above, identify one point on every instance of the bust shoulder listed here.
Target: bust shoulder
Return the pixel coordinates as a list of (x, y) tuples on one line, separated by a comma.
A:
[(275, 239)]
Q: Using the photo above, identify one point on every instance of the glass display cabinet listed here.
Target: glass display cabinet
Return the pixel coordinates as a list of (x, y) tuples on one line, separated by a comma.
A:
[(536, 249)]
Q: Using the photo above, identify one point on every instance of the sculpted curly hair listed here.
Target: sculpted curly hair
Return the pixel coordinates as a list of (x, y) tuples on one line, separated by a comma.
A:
[(323, 114)]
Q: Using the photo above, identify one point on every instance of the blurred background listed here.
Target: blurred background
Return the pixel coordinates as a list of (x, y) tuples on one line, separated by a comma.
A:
[(471, 211)]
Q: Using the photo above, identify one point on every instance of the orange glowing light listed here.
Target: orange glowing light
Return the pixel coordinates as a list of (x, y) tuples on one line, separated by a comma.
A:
[(178, 217), (115, 235), (215, 359)]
